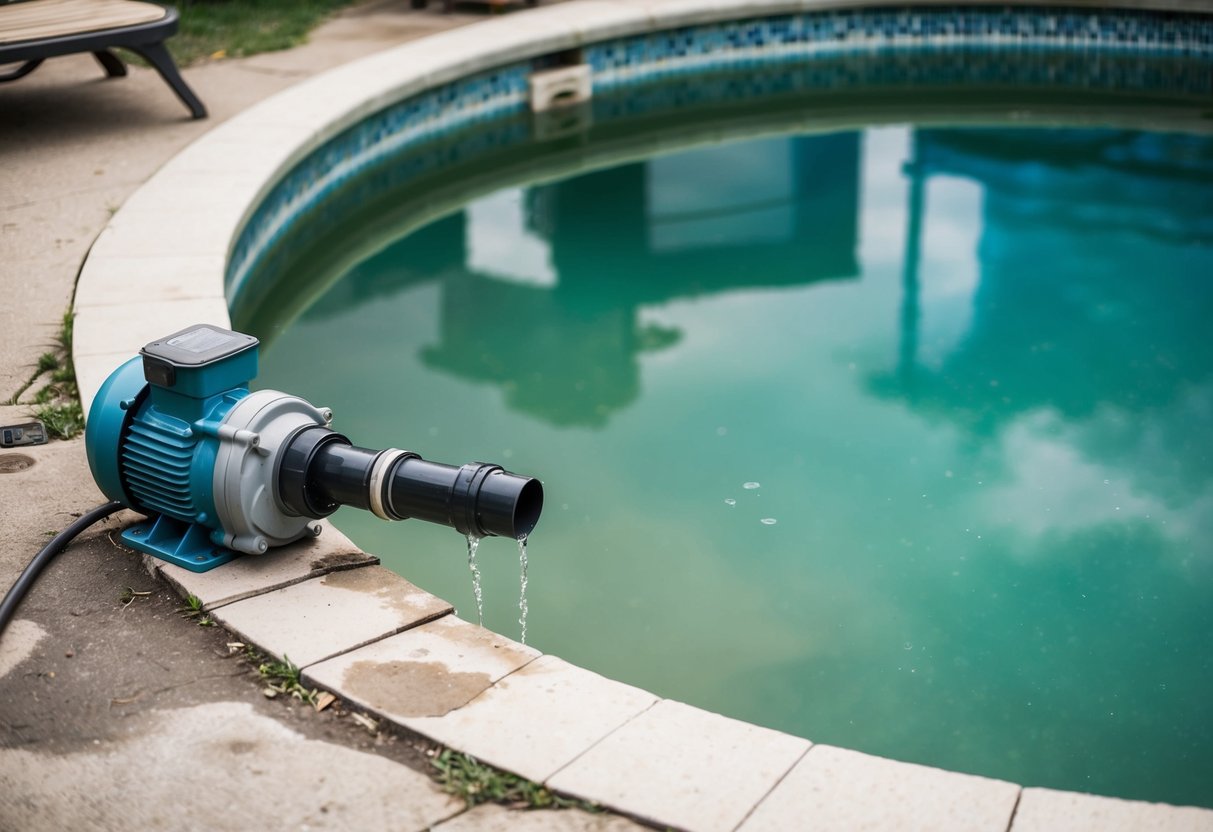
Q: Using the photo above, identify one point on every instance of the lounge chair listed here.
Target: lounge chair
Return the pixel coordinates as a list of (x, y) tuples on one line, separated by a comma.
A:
[(31, 32)]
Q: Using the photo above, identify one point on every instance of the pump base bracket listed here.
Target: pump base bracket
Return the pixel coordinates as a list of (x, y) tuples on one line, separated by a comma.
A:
[(184, 544)]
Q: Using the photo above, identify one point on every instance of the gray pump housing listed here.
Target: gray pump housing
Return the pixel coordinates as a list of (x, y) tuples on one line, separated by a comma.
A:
[(252, 440)]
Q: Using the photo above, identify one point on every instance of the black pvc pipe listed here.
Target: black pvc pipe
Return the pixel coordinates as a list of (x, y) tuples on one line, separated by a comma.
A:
[(322, 470), (479, 498), (343, 473)]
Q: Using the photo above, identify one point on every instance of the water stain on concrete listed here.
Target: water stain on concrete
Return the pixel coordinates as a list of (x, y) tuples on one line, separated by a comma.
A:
[(369, 579), (412, 689)]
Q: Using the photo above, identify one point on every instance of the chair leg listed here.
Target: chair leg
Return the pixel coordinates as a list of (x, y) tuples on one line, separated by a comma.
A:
[(21, 71), (158, 56), (111, 63)]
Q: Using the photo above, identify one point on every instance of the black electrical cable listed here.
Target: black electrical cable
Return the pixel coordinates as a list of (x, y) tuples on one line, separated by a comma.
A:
[(8, 607)]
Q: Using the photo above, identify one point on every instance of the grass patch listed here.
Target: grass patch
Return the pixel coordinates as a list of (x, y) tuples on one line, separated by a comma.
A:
[(62, 420), (57, 403), (237, 28), (466, 777)]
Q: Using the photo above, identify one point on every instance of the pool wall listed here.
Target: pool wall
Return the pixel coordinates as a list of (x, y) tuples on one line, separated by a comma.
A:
[(976, 41), (185, 244)]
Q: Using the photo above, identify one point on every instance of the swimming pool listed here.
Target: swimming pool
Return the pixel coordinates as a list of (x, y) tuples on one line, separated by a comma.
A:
[(928, 347)]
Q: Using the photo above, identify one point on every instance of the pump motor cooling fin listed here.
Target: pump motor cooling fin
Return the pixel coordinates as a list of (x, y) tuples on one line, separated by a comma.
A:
[(176, 434)]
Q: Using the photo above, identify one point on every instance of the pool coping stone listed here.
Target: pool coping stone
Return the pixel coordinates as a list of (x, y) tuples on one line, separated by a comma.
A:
[(836, 790), (458, 660), (322, 617), (683, 766), (538, 719), (278, 568)]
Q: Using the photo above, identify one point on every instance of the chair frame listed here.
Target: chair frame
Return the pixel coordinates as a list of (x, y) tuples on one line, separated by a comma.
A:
[(144, 39)]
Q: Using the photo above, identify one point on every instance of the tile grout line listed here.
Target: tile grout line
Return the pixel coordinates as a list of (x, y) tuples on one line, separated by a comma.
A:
[(377, 639), (257, 593), (1014, 809), (774, 786), (656, 701)]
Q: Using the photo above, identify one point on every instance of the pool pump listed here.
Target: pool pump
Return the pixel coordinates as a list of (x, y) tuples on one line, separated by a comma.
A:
[(175, 434)]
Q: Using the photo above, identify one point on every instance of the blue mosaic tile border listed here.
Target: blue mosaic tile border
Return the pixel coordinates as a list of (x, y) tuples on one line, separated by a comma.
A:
[(978, 39), (1185, 78), (422, 118), (822, 34)]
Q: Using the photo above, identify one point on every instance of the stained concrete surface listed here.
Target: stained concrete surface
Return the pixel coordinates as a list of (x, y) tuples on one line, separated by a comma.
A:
[(117, 715)]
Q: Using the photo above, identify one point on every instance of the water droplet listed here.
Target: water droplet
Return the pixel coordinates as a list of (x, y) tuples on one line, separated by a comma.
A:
[(473, 545), (909, 646), (729, 501), (721, 431), (750, 486), (768, 521), (507, 453), (522, 582)]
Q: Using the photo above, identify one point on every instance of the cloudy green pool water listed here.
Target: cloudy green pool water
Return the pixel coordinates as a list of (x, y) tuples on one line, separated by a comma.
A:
[(895, 439)]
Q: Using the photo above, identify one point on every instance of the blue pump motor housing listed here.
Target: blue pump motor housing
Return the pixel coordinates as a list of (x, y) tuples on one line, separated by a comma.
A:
[(175, 434)]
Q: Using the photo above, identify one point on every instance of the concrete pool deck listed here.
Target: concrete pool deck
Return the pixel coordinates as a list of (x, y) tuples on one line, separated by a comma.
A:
[(360, 630)]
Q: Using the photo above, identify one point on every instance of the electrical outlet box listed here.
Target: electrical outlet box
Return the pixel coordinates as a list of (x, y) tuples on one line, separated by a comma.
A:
[(15, 436)]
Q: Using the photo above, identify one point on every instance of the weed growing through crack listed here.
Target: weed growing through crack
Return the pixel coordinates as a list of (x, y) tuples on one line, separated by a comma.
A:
[(466, 777), (283, 677), (193, 609)]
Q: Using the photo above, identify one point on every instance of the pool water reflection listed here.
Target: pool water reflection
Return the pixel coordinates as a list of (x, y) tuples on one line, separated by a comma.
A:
[(968, 368)]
